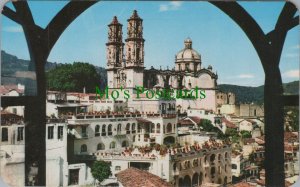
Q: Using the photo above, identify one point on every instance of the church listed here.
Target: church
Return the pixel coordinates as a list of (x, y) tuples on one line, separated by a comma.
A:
[(126, 68)]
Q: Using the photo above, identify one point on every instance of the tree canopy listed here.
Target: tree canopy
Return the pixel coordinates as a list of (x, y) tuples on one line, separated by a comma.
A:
[(73, 78), (101, 170)]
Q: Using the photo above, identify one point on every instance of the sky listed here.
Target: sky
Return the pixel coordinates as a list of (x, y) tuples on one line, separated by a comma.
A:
[(218, 39)]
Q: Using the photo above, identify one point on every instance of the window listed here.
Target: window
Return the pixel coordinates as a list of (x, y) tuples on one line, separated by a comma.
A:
[(137, 53), (133, 128), (60, 132), (152, 128), (169, 128), (50, 132), (158, 128), (83, 131), (118, 168), (112, 145), (109, 130), (100, 146), (4, 134), (124, 143), (20, 133), (83, 148), (119, 128), (103, 130), (97, 130), (139, 128), (234, 166), (127, 128)]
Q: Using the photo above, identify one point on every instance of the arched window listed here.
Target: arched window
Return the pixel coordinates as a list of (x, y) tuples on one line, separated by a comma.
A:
[(109, 130), (83, 148), (174, 167), (127, 128), (133, 138), (139, 127), (133, 128), (103, 130), (158, 128), (97, 130), (112, 145), (169, 128), (212, 157), (152, 128), (5, 134), (125, 143), (119, 128), (226, 155), (100, 146), (212, 171)]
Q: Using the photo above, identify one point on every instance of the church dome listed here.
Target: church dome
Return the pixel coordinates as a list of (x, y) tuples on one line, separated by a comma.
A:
[(188, 54)]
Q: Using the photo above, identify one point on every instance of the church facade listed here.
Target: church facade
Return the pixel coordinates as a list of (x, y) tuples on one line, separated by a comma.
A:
[(125, 67)]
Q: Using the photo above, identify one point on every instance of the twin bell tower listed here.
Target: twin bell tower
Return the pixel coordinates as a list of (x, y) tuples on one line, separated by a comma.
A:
[(125, 68)]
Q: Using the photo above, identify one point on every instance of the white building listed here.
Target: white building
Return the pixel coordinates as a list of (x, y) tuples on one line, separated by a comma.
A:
[(12, 152)]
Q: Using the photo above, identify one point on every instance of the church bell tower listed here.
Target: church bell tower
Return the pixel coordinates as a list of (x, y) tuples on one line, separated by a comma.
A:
[(114, 53), (134, 58)]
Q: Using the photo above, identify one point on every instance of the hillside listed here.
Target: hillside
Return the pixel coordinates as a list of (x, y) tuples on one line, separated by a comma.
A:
[(247, 94), (10, 64)]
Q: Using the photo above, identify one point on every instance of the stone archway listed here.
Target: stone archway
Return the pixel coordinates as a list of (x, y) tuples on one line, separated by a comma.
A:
[(169, 140), (195, 180), (187, 181)]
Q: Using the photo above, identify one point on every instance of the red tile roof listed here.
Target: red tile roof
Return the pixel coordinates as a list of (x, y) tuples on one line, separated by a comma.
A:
[(196, 119), (133, 177), (228, 124), (185, 122), (4, 89)]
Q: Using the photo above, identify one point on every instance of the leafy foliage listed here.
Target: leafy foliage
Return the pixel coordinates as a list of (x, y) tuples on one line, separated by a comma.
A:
[(101, 170), (246, 134), (233, 134), (11, 64), (73, 77), (291, 115)]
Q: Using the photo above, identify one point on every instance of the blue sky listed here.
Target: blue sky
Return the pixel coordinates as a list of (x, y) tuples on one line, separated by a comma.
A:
[(215, 36)]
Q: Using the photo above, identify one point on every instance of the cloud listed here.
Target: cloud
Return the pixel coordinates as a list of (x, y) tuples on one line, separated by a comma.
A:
[(291, 74), (13, 29), (174, 5), (245, 76)]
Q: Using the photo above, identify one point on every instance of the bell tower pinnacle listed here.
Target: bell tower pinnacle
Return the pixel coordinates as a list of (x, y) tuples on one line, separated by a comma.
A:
[(114, 55), (135, 41), (114, 45)]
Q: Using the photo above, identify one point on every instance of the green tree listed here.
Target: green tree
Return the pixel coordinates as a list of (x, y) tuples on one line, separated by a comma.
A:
[(233, 134), (207, 126), (246, 134), (101, 170), (73, 77), (291, 115)]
